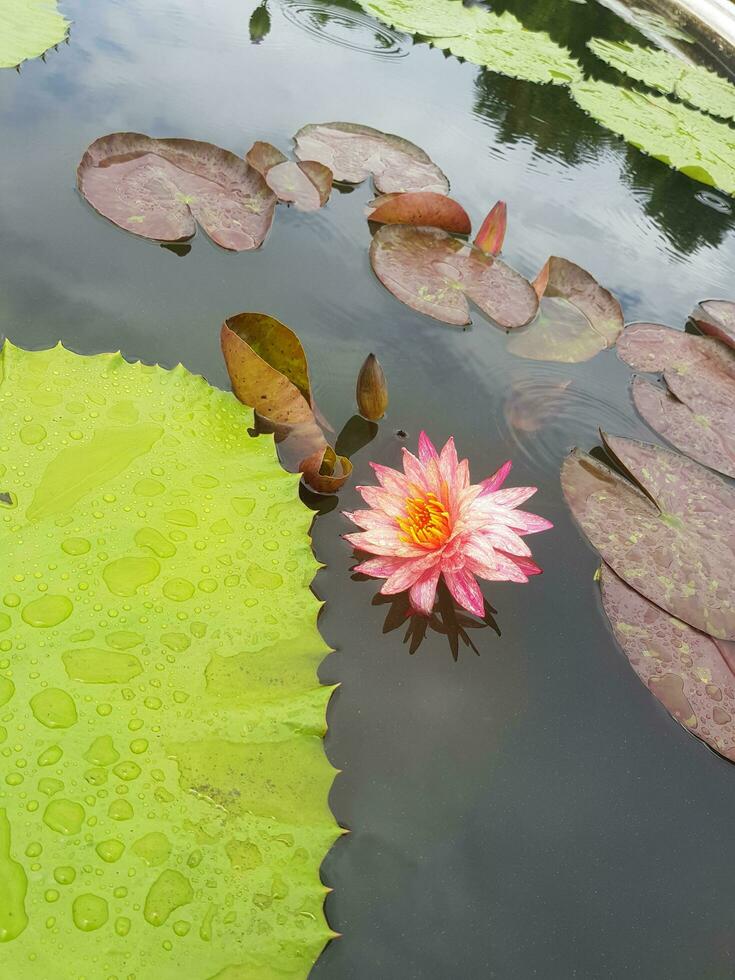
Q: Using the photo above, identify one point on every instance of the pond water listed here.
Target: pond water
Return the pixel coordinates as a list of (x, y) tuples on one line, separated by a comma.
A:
[(520, 806)]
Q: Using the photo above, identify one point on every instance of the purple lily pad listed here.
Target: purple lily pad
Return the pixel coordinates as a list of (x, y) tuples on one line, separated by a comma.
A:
[(160, 188), (353, 152), (436, 274), (698, 435), (716, 317), (577, 319), (671, 536), (689, 672)]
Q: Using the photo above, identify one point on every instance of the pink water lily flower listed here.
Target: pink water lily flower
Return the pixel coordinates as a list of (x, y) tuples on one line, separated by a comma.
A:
[(430, 521)]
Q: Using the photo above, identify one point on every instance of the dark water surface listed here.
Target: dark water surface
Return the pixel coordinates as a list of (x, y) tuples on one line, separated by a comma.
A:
[(526, 809)]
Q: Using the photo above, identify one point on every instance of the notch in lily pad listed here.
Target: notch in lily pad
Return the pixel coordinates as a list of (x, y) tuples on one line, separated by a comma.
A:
[(306, 184)]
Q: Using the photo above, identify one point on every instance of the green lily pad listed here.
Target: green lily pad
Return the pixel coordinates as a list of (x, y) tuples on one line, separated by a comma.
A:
[(682, 138), (430, 18), (158, 669), (28, 28), (689, 672), (671, 535), (700, 87)]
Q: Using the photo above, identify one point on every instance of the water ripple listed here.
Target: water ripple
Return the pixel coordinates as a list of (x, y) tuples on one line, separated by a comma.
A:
[(347, 28)]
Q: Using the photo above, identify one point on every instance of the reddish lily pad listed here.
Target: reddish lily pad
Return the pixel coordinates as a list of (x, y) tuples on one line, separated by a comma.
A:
[(577, 319), (353, 152), (262, 156), (716, 317), (652, 347), (696, 434), (160, 188), (306, 185), (421, 208), (491, 235), (326, 472), (436, 274), (689, 672), (671, 536)]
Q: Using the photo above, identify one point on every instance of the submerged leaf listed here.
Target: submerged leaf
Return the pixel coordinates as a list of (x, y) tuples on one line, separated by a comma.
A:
[(690, 673), (716, 318), (673, 539), (353, 152), (491, 235), (436, 274), (670, 74), (160, 188), (577, 318), (175, 654), (28, 28), (682, 138), (421, 208)]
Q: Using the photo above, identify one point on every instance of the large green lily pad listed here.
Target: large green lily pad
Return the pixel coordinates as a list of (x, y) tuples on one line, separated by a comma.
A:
[(690, 673), (671, 535), (695, 84), (682, 138), (164, 808), (28, 28)]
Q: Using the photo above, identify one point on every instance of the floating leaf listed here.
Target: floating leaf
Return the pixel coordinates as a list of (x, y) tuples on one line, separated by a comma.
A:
[(690, 673), (262, 156), (577, 318), (503, 44), (174, 683), (28, 28), (716, 317), (672, 539), (430, 18), (491, 235), (682, 138), (307, 185), (421, 208), (159, 189), (435, 274), (325, 471), (670, 74), (371, 392), (652, 347), (353, 152), (692, 432)]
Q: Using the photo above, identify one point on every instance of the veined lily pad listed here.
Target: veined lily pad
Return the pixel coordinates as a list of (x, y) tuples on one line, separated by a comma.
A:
[(306, 184), (689, 672), (671, 536), (436, 274), (353, 152), (173, 696), (670, 74), (682, 138), (28, 28), (430, 18), (716, 317), (577, 318), (160, 188), (420, 208), (262, 156), (652, 347)]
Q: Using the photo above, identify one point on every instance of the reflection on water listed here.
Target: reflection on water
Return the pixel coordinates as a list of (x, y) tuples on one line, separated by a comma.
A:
[(346, 24)]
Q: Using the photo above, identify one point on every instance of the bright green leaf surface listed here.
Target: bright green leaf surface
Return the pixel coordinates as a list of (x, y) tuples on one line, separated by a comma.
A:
[(163, 802), (665, 72), (28, 28), (683, 138), (497, 41)]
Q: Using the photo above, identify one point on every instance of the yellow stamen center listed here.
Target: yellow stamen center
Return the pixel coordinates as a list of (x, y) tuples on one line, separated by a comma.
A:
[(426, 522)]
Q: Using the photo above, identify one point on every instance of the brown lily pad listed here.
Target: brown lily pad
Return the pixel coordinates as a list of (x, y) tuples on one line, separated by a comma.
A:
[(689, 672), (421, 208), (326, 472), (306, 185), (716, 317), (160, 189), (671, 535), (653, 347), (436, 274), (353, 152), (696, 434), (491, 235), (262, 156), (577, 318)]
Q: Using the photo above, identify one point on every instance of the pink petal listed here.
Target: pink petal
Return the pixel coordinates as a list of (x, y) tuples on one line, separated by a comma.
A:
[(368, 519), (414, 471), (527, 523), (505, 539), (481, 552), (498, 478), (527, 565), (506, 570), (411, 571), (379, 567), (448, 462), (427, 449), (393, 480), (423, 592), (466, 591), (381, 499), (463, 475), (379, 541), (512, 496)]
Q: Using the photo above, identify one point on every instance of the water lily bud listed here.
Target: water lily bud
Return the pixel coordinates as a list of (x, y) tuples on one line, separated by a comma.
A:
[(372, 390)]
